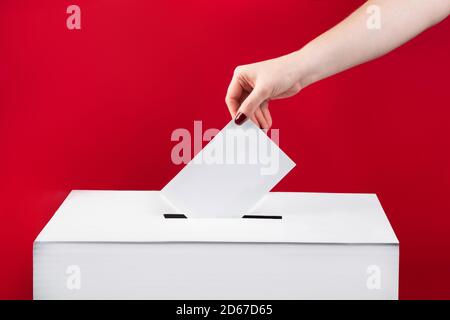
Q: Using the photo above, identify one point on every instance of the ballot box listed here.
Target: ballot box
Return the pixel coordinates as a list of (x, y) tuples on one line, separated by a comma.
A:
[(133, 245)]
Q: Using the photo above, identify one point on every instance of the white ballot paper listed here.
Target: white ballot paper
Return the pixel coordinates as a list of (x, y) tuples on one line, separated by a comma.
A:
[(228, 177)]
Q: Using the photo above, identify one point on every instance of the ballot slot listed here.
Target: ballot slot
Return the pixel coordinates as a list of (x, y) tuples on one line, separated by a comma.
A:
[(259, 216), (245, 216), (174, 216)]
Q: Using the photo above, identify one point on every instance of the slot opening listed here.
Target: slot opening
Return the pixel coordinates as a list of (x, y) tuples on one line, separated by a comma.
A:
[(245, 216)]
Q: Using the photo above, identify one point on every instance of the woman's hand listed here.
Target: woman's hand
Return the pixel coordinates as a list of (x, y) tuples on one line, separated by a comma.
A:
[(349, 43), (254, 85)]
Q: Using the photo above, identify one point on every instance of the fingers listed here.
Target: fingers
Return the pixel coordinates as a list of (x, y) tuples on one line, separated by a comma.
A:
[(261, 117), (261, 120), (251, 104), (266, 113), (234, 96), (245, 102)]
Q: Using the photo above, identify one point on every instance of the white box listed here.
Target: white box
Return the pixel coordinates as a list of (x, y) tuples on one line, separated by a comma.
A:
[(118, 245)]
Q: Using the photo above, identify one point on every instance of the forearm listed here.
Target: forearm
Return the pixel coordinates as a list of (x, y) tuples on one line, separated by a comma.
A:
[(352, 42)]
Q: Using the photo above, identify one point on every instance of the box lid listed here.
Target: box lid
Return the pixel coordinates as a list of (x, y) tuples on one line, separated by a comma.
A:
[(137, 216)]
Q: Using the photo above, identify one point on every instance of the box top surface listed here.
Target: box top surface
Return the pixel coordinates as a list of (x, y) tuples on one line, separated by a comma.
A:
[(137, 216)]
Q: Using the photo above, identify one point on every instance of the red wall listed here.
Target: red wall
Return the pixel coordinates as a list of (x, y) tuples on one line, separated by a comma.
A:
[(94, 109)]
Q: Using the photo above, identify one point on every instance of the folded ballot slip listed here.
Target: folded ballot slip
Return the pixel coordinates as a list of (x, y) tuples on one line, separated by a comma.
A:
[(230, 175)]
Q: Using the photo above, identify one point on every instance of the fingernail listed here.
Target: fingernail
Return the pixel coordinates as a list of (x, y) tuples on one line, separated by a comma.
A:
[(240, 118)]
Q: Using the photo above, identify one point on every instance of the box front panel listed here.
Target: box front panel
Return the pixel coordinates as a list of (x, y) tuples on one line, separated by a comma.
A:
[(214, 271)]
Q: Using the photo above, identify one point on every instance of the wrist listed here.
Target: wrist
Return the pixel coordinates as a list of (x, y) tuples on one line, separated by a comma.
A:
[(306, 67)]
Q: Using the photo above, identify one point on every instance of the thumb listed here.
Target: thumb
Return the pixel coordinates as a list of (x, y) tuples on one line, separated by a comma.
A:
[(250, 104)]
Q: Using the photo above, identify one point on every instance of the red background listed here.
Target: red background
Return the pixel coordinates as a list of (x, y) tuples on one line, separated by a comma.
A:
[(95, 108)]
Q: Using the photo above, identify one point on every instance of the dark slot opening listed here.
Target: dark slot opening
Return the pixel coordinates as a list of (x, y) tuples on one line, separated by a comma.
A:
[(256, 216), (174, 216), (246, 216)]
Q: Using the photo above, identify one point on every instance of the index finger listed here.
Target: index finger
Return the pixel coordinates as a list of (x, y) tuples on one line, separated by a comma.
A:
[(233, 97)]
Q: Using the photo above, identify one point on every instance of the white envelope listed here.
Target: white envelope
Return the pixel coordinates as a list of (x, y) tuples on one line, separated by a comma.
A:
[(228, 177)]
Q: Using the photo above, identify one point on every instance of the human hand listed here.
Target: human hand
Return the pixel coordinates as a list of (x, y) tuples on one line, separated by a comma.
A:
[(254, 85), (349, 43)]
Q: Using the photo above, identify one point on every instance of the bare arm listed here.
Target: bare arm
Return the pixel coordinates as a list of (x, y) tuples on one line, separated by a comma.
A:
[(374, 29)]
